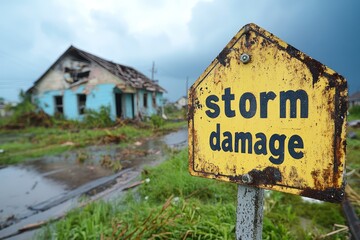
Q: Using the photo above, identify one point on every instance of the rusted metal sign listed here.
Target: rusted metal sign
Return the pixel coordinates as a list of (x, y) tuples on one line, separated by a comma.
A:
[(267, 115)]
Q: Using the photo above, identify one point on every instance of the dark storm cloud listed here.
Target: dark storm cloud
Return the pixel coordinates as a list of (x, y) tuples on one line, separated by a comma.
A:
[(35, 34), (327, 31)]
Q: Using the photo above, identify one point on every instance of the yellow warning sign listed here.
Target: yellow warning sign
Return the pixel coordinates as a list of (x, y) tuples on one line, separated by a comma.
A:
[(267, 115)]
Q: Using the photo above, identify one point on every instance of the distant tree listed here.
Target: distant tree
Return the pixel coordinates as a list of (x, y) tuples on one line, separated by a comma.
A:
[(25, 105), (2, 100), (8, 107)]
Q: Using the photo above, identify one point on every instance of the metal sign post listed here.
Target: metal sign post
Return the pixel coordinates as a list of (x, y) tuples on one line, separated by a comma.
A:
[(249, 213)]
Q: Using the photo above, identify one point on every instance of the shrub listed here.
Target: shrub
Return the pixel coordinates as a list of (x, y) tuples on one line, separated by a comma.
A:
[(99, 118), (172, 112), (26, 114), (156, 121)]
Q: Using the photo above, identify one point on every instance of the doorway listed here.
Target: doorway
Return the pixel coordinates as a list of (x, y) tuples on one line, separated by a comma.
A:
[(133, 105), (118, 105)]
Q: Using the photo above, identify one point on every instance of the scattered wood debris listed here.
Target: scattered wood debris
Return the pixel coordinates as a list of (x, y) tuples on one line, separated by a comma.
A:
[(112, 138)]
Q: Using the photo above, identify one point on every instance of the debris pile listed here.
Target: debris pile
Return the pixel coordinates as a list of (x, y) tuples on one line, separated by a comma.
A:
[(30, 119), (108, 162), (111, 138), (135, 122)]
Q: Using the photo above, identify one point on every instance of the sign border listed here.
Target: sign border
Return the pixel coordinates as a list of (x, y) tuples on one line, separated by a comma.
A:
[(316, 69)]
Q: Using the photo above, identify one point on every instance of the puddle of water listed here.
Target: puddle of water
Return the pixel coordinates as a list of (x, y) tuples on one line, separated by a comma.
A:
[(176, 139), (67, 171), (22, 187), (40, 181)]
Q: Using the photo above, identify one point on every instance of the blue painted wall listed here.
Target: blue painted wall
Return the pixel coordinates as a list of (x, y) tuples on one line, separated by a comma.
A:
[(46, 101), (100, 95), (150, 109)]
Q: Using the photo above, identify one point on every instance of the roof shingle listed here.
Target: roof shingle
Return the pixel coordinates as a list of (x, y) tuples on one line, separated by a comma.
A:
[(131, 76)]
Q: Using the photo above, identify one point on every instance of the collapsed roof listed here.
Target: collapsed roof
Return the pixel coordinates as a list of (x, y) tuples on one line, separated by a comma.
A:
[(131, 76)]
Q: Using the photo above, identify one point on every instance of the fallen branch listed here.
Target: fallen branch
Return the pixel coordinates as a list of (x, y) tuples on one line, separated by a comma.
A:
[(135, 184), (352, 195), (196, 192), (343, 228), (33, 226)]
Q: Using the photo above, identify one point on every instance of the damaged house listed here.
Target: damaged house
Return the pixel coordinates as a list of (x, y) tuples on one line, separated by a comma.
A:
[(79, 80)]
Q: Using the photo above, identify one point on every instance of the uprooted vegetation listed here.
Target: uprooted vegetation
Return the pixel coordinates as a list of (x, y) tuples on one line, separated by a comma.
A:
[(113, 164), (25, 114), (30, 119), (112, 138)]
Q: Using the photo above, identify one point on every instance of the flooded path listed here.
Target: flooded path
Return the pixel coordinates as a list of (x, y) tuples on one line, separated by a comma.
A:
[(49, 186)]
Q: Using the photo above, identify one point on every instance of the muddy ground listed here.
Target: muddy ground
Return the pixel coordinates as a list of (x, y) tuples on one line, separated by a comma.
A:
[(50, 186)]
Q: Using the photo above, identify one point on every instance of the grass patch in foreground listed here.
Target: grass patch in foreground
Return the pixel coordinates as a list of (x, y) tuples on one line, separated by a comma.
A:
[(175, 205)]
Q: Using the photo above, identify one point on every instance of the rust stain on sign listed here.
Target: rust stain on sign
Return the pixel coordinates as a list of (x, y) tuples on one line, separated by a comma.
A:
[(275, 122)]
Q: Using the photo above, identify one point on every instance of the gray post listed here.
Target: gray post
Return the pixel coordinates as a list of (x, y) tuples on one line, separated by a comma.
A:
[(249, 213)]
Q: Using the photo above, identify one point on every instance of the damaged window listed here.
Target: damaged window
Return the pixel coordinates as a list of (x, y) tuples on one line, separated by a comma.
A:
[(59, 108), (73, 75), (154, 100), (81, 103), (76, 71), (145, 100)]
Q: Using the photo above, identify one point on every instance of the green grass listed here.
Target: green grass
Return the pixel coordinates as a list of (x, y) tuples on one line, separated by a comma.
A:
[(175, 205), (171, 125), (354, 113), (353, 165), (173, 113)]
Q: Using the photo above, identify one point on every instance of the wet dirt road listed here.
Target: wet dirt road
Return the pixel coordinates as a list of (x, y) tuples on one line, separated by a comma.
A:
[(48, 187)]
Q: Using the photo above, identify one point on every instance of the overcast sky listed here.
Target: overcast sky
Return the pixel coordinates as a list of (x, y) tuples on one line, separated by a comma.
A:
[(182, 37)]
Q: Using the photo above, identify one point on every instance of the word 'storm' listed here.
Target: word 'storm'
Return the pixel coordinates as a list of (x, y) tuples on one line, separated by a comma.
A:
[(249, 99)]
